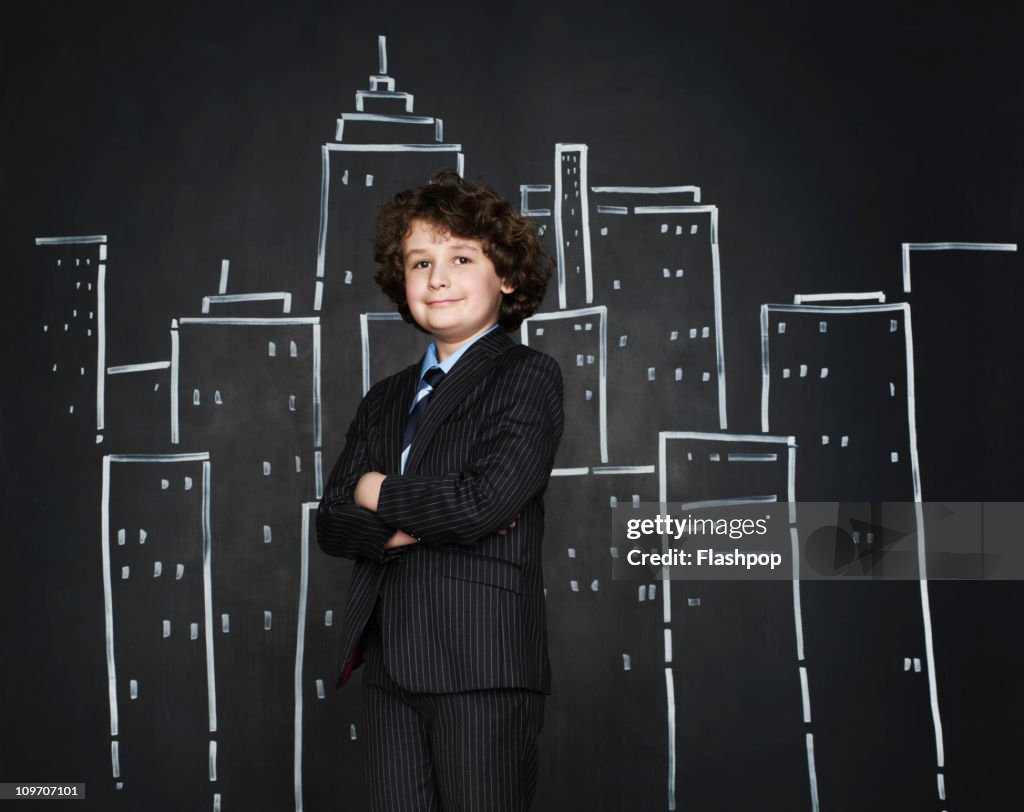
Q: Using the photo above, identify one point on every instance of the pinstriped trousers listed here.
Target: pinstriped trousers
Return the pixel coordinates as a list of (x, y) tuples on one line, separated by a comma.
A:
[(465, 752)]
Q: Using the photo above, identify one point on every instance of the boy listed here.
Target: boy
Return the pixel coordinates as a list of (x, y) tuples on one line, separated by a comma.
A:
[(438, 498)]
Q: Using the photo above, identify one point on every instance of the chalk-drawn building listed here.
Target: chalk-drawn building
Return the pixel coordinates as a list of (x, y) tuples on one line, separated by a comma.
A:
[(578, 339), (328, 736), (758, 642), (839, 377), (655, 244), (74, 326), (274, 465), (132, 390), (380, 148), (825, 369), (661, 244), (617, 623), (158, 617), (571, 229)]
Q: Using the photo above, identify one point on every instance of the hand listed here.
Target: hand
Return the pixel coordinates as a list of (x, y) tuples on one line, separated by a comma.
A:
[(367, 490), (400, 539), (505, 530)]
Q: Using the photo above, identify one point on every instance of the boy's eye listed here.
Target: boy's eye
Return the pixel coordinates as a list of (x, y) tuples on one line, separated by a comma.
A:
[(461, 260), (421, 264)]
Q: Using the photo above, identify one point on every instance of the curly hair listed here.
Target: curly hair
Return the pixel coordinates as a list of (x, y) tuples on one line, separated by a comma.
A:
[(473, 211)]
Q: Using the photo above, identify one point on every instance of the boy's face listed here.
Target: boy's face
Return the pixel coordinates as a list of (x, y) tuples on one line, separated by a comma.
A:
[(453, 290)]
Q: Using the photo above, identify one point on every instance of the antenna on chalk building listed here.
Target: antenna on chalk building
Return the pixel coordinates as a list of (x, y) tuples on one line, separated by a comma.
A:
[(382, 52)]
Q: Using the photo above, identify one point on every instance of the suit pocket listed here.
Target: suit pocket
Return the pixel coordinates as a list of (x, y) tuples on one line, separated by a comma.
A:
[(481, 569)]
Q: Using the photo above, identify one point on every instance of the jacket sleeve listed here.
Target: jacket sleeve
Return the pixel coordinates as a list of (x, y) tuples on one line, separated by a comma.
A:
[(510, 462), (342, 527)]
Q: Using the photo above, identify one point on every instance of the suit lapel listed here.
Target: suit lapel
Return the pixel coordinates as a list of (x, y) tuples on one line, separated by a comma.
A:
[(466, 373), (396, 410)]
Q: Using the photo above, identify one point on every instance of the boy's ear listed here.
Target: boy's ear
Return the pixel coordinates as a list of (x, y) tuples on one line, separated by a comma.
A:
[(507, 288)]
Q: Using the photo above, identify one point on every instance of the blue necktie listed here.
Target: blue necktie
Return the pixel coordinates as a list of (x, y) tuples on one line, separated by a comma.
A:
[(432, 378)]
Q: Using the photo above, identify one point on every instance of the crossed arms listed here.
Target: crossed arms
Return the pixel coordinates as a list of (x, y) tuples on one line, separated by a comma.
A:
[(365, 514)]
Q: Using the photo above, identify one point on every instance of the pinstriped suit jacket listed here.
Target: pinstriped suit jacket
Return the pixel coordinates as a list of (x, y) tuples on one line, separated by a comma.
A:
[(463, 609)]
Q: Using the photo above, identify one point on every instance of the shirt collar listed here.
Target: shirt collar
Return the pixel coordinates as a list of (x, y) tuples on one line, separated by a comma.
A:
[(430, 357)]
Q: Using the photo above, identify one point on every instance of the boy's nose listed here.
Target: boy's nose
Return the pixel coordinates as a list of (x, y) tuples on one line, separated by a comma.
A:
[(438, 279)]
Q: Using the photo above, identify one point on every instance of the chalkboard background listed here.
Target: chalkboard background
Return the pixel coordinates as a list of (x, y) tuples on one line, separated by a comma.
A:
[(170, 628)]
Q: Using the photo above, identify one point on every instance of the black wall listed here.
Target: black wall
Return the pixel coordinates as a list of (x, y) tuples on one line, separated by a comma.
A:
[(825, 138)]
